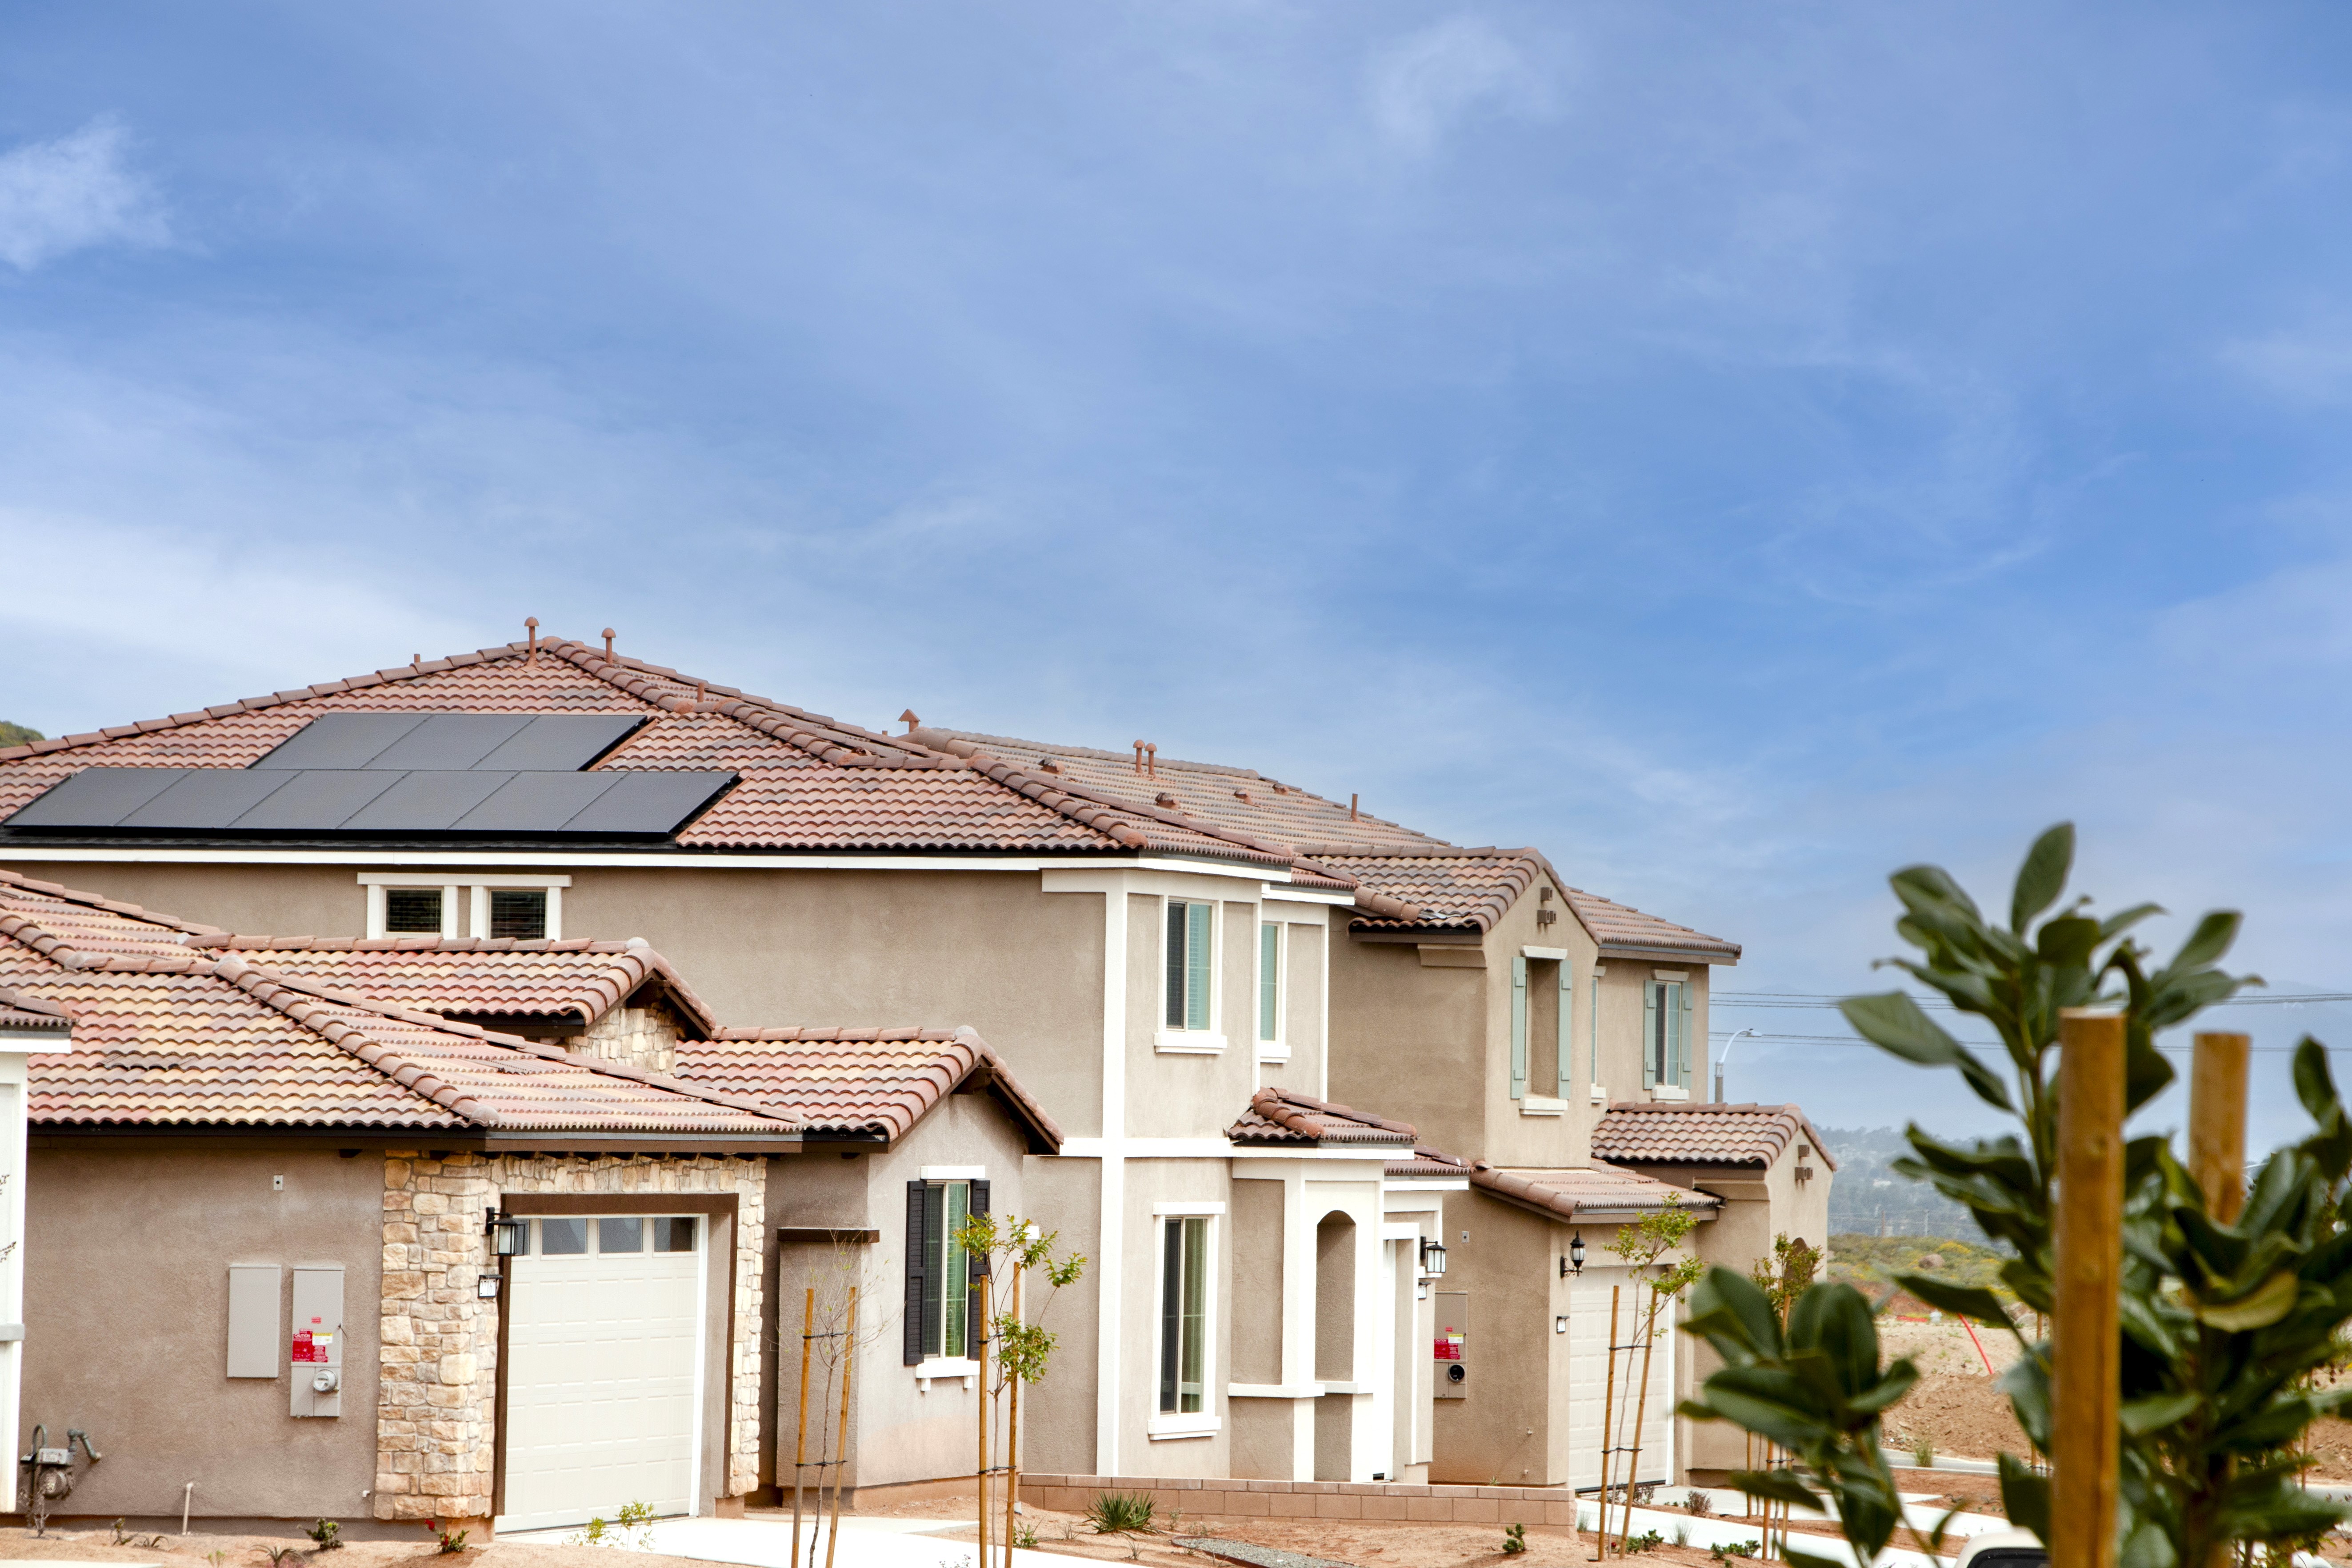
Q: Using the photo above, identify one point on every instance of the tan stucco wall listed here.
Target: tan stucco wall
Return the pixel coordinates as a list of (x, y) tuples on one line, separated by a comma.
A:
[(1067, 1195), (127, 1251), (1408, 1041)]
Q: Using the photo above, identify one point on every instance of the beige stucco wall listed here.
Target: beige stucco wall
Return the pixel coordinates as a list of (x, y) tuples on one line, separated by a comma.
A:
[(1407, 1040), (127, 1246)]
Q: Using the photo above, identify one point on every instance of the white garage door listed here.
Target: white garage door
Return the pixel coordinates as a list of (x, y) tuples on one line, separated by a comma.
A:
[(603, 1369)]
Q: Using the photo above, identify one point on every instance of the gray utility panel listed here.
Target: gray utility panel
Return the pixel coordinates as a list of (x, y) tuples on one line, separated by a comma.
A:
[(317, 1347), (253, 1320)]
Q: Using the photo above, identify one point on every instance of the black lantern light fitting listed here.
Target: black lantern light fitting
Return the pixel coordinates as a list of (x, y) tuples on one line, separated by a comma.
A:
[(1433, 1258), (1574, 1262), (506, 1232)]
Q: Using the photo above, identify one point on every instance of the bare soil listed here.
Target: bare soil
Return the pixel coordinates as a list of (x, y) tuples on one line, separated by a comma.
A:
[(195, 1551)]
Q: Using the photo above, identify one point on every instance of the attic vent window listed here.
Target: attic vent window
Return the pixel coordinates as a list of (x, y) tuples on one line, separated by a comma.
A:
[(518, 913), (412, 911)]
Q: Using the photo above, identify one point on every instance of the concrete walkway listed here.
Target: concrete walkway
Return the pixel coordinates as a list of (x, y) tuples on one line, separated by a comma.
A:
[(767, 1543)]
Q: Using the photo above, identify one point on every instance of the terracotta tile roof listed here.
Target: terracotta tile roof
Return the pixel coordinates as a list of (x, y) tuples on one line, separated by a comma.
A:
[(808, 782), (1424, 1163), (1585, 1194), (20, 1012), (1426, 883), (1637, 1132), (1277, 1116), (861, 1081), (172, 1031), (575, 980)]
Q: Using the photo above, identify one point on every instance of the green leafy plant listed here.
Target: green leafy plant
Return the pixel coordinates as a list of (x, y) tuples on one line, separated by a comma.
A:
[(1648, 1541), (1025, 1536), (453, 1541), (2223, 1324), (1729, 1549), (1120, 1513), (280, 1555), (1923, 1452), (1515, 1540), (328, 1533), (214, 1558)]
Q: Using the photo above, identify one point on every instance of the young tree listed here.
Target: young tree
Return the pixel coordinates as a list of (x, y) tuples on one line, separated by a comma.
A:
[(2222, 1320), (1011, 1249), (1641, 1246)]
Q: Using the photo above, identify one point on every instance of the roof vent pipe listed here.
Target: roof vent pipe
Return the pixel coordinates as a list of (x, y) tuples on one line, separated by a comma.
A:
[(1351, 807), (530, 625), (608, 644), (1151, 759)]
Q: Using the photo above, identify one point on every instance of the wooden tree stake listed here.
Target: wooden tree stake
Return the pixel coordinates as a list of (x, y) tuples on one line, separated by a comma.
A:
[(1607, 1414), (2217, 1122), (979, 1358), (2086, 1337), (800, 1444), (840, 1464), (1013, 1436)]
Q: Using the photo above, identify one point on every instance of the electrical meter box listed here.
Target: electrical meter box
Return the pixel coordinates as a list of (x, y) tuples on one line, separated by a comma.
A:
[(1450, 1371), (317, 1349)]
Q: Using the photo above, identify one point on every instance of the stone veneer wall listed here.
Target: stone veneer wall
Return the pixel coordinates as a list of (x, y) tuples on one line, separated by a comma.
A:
[(439, 1341), (642, 1036)]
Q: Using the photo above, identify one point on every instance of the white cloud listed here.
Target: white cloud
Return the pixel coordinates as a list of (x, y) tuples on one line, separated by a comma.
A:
[(1426, 83), (78, 190)]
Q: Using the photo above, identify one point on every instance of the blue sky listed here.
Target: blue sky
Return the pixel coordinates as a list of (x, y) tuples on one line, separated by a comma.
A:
[(1738, 449)]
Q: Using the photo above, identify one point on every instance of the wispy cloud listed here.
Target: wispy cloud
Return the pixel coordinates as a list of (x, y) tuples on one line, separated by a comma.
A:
[(1425, 84), (73, 193)]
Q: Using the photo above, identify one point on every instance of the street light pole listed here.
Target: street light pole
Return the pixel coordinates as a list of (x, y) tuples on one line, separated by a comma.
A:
[(1723, 1059)]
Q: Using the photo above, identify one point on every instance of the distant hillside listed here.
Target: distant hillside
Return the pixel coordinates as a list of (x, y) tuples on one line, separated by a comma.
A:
[(1870, 1262), (1868, 1199), (17, 735)]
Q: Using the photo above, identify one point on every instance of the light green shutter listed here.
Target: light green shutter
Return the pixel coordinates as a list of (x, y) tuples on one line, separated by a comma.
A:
[(1650, 989), (1519, 1028), (1196, 966), (1270, 983), (1567, 1057), (1683, 1017)]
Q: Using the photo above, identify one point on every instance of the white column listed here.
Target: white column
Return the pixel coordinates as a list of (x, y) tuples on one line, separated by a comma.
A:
[(1110, 1325)]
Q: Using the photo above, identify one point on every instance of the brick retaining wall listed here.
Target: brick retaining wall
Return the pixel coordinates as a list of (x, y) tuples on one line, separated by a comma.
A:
[(1371, 1501)]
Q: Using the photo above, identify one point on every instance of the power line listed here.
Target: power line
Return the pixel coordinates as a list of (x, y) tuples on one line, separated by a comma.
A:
[(1815, 1001), (1971, 1045)]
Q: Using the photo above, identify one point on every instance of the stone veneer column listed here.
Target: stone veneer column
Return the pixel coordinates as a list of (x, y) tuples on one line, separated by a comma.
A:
[(435, 1417)]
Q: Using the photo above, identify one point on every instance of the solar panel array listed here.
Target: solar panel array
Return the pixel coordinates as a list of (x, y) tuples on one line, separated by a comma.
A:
[(486, 775)]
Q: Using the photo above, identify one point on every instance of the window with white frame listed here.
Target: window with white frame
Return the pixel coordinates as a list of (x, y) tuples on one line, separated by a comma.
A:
[(1665, 1035), (1184, 1282), (1269, 988), (1191, 943), (526, 908), (940, 1305)]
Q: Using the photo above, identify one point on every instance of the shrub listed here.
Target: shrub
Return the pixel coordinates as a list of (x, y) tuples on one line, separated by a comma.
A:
[(327, 1533), (1699, 1503), (1120, 1513), (1923, 1452), (1515, 1540)]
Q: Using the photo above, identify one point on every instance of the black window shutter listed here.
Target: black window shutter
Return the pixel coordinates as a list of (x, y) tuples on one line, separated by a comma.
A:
[(978, 1266), (916, 1257)]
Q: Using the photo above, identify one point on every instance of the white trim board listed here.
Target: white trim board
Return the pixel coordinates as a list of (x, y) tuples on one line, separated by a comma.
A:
[(165, 854)]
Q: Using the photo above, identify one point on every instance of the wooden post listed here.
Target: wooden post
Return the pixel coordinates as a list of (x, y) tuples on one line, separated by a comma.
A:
[(980, 1357), (2217, 1122), (800, 1444), (1641, 1407), (1012, 1434), (2086, 1344), (1608, 1421), (841, 1461)]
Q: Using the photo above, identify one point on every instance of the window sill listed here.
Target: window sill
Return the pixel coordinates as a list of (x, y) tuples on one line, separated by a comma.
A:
[(1600, 1095), (1542, 1105), (1168, 1428), (1273, 1390), (946, 1367), (1668, 1091), (1189, 1043), (1275, 1054)]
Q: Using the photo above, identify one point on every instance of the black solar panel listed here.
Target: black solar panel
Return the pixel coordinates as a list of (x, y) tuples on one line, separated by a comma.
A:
[(423, 802), (451, 742), (318, 800), (340, 740), (650, 803), (207, 798), (536, 803), (562, 742), (96, 797)]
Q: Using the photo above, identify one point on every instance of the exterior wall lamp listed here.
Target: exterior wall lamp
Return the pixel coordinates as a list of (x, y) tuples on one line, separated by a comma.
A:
[(1574, 1262), (505, 1231), (1433, 1258)]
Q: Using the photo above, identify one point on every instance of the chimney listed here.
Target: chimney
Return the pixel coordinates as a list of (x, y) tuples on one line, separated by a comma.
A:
[(909, 719)]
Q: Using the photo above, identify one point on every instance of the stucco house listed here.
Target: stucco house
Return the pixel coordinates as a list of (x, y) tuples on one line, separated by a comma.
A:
[(1153, 946), (309, 1243)]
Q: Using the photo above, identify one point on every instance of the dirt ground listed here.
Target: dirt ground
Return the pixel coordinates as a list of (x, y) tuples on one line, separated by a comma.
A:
[(196, 1550)]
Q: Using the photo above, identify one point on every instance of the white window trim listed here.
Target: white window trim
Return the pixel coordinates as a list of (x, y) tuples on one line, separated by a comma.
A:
[(478, 883), (1171, 1040), (1204, 1423), (1543, 1105), (1673, 1092), (962, 1367), (1670, 974), (954, 1173), (1276, 1049)]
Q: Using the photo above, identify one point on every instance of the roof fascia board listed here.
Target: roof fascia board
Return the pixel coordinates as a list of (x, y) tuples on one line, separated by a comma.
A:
[(1218, 1149), (1282, 893), (1670, 955), (654, 861)]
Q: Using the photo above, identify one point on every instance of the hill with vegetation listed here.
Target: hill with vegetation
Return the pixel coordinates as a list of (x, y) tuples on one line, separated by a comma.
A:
[(18, 734), (1869, 1263), (1867, 1198)]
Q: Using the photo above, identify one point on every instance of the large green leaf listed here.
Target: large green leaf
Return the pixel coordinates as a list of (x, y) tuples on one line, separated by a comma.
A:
[(2140, 1416), (1966, 1300), (2043, 877), (2024, 1495), (1893, 1022)]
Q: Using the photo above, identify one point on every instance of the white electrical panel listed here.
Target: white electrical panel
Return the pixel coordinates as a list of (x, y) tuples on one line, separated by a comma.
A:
[(253, 1320)]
